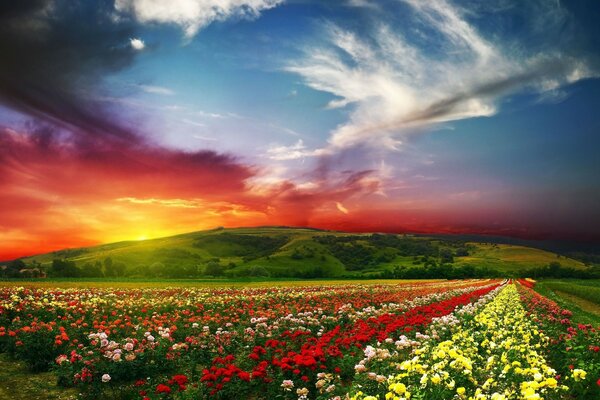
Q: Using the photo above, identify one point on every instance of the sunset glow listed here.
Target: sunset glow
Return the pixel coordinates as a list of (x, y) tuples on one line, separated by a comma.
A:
[(119, 122)]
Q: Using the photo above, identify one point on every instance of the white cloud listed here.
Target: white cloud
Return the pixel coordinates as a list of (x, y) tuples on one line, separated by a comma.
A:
[(293, 152), (363, 4), (205, 138), (397, 87), (157, 90), (192, 15), (137, 44)]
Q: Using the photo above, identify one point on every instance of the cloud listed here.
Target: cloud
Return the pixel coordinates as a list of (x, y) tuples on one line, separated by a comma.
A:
[(341, 207), (137, 44), (54, 58), (178, 203), (157, 90), (395, 83), (192, 15), (363, 4), (72, 190), (293, 152), (64, 187)]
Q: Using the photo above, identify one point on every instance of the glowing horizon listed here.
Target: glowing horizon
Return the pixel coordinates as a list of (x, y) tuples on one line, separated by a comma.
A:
[(121, 122)]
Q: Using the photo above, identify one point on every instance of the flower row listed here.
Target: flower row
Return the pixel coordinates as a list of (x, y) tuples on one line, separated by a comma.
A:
[(497, 353)]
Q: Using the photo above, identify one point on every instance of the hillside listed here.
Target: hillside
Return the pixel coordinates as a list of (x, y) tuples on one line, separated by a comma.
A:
[(296, 252)]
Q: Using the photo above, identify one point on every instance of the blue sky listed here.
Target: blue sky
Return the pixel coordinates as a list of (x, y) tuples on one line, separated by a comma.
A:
[(230, 87)]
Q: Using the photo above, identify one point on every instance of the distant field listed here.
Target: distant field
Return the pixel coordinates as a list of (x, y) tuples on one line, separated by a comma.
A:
[(280, 252), (145, 283), (589, 291), (582, 297), (513, 258)]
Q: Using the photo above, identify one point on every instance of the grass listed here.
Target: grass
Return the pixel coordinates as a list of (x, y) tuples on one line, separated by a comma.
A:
[(163, 283), (512, 258), (194, 250), (568, 294), (17, 383)]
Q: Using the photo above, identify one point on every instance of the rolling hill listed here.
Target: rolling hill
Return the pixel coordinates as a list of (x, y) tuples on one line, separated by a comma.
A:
[(296, 252)]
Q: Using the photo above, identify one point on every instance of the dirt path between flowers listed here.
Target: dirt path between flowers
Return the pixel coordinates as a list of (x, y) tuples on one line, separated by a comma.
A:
[(16, 383), (584, 304)]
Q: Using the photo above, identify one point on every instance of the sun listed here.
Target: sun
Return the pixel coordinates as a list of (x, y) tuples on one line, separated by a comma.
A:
[(142, 237)]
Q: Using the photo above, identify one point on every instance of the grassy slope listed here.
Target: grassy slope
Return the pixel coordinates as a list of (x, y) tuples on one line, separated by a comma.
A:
[(180, 249), (584, 311), (507, 257)]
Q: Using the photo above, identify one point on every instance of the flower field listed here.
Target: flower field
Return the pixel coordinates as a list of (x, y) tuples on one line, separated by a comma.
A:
[(471, 339)]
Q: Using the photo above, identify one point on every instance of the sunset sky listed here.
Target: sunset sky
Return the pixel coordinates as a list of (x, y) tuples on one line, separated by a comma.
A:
[(133, 119)]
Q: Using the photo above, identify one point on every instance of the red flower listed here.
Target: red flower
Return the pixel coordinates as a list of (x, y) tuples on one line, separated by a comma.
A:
[(243, 375), (180, 379), (598, 382), (163, 389)]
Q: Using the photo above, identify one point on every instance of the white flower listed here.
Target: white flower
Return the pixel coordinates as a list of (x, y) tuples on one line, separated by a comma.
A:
[(105, 378), (287, 384)]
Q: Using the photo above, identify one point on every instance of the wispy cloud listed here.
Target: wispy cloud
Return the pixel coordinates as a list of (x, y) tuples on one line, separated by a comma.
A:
[(397, 86), (293, 152), (192, 15), (157, 90), (179, 203), (341, 208)]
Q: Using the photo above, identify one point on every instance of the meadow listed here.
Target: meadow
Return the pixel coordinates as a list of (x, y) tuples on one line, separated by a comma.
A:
[(283, 253), (427, 339)]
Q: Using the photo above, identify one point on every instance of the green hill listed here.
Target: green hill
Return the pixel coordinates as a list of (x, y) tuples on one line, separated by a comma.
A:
[(295, 252)]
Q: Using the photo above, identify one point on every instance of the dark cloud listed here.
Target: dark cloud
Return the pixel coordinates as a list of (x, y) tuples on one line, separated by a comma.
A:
[(55, 55)]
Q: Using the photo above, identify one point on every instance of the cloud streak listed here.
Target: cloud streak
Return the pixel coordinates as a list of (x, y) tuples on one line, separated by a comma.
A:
[(396, 86)]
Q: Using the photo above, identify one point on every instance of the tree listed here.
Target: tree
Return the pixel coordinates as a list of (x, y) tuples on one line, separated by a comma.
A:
[(13, 269), (108, 264), (90, 270), (446, 256), (64, 269), (213, 268), (156, 269), (119, 268)]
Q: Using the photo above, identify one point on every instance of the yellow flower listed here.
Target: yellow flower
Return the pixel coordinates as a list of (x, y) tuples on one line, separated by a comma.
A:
[(579, 374), (399, 388)]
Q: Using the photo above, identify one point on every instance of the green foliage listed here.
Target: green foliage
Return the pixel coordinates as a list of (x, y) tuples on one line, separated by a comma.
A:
[(556, 270), (64, 268), (585, 292), (213, 268), (248, 246), (438, 271), (92, 270), (279, 252), (13, 269)]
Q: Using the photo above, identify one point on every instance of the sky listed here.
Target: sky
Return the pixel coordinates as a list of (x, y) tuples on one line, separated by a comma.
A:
[(134, 119)]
